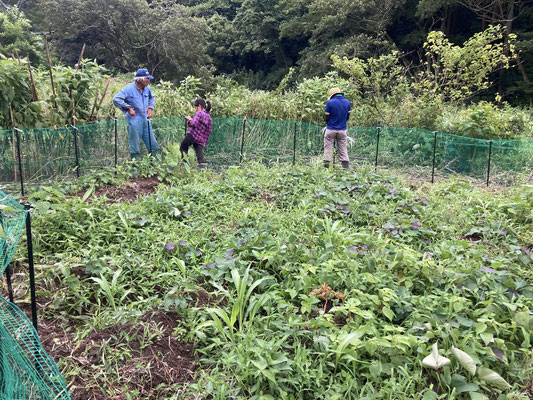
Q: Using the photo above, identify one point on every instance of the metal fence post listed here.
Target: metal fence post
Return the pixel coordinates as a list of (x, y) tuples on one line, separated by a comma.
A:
[(27, 209), (17, 130), (242, 139), (186, 127), (9, 285), (294, 146), (149, 136), (488, 162), (76, 150), (434, 153), (377, 147), (115, 119)]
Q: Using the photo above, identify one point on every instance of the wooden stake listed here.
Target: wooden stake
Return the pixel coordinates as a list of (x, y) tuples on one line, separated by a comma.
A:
[(72, 89), (13, 146), (33, 87), (101, 100), (51, 74)]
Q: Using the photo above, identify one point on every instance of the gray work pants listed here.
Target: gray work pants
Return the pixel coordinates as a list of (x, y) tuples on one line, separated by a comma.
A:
[(342, 144)]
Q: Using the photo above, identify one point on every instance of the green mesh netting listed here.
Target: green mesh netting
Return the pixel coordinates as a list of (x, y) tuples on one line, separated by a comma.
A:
[(12, 220), (50, 153), (26, 371)]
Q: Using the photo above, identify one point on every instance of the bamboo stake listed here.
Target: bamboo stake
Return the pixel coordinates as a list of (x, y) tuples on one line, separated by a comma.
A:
[(72, 89), (101, 101), (18, 57), (34, 95), (51, 74), (13, 143)]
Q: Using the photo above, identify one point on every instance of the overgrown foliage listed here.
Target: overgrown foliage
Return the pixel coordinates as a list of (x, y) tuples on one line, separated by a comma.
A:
[(328, 284)]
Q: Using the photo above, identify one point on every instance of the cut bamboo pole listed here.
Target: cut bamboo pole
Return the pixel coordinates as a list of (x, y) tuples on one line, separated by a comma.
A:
[(51, 74), (13, 146)]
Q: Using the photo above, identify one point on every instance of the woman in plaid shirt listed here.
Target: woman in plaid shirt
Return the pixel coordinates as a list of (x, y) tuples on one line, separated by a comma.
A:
[(199, 131)]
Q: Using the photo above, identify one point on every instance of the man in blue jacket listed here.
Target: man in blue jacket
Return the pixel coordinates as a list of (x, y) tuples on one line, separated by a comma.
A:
[(136, 102), (337, 114)]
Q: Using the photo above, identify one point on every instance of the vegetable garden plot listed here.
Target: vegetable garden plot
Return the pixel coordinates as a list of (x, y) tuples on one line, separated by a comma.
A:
[(333, 282)]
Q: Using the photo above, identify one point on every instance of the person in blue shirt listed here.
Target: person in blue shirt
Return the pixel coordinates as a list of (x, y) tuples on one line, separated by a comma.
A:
[(337, 114), (136, 102)]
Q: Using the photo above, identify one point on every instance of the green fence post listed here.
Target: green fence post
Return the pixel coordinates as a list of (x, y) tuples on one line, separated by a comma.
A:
[(434, 153), (294, 146), (242, 139), (17, 130), (488, 162), (377, 148)]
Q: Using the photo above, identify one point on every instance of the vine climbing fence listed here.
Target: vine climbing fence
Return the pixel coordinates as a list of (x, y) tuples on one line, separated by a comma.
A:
[(36, 155)]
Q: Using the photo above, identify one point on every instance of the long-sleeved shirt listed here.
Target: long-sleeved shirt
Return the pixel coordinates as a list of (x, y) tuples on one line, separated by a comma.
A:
[(201, 126), (130, 97)]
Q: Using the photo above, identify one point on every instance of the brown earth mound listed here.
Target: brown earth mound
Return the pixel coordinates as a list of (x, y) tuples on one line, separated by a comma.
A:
[(127, 191), (146, 357)]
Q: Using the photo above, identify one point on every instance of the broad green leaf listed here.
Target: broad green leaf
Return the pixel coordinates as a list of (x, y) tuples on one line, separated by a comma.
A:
[(492, 378), (435, 360), (430, 395), (487, 338), (388, 313), (465, 360), (522, 318), (478, 396)]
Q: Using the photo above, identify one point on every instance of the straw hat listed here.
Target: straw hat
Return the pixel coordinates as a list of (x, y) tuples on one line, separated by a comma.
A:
[(334, 91)]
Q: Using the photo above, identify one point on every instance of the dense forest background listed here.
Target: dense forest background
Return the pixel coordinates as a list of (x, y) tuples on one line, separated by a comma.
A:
[(460, 66), (257, 42)]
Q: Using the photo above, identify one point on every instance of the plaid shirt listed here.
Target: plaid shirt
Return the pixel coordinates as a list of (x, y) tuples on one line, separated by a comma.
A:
[(201, 126)]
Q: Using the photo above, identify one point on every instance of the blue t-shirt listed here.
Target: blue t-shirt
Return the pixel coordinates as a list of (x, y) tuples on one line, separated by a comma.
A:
[(338, 108)]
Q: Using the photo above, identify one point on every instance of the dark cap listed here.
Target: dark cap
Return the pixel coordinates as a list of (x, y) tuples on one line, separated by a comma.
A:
[(143, 73)]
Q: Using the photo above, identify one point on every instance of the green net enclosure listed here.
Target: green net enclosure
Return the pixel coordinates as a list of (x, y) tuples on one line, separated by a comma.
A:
[(26, 371), (309, 141), (512, 162), (362, 145), (269, 141), (48, 154), (12, 220), (8, 167), (224, 144)]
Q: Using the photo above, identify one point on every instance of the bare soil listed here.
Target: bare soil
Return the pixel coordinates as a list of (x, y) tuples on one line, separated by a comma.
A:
[(127, 191), (152, 358)]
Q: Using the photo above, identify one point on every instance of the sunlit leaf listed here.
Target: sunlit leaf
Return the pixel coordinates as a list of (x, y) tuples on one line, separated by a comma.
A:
[(435, 360), (464, 360), (492, 378)]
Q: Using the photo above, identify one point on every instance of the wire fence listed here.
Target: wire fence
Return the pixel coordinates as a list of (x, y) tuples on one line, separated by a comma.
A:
[(36, 155)]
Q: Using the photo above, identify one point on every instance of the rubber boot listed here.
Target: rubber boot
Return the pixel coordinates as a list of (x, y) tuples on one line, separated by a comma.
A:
[(326, 164), (346, 164)]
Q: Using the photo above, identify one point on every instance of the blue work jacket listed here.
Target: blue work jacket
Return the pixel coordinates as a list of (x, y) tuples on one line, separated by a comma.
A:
[(130, 96)]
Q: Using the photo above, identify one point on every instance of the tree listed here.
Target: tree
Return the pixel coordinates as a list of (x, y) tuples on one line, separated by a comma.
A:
[(16, 37), (127, 34), (350, 28)]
